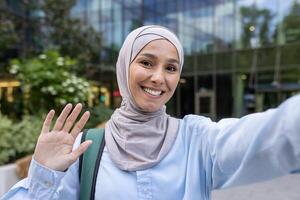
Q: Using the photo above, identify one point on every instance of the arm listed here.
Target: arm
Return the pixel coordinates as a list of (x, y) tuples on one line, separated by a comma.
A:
[(256, 147), (41, 183), (45, 183)]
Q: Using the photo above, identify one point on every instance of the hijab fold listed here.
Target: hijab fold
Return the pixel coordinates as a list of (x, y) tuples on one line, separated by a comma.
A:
[(135, 139)]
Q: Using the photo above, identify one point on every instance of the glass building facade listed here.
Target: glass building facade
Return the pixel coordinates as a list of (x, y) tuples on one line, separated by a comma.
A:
[(241, 56)]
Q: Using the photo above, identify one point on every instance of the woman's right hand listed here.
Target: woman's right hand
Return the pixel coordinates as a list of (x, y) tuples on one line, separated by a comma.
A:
[(54, 147)]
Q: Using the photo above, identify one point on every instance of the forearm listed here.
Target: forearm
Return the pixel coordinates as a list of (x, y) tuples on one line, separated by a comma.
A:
[(42, 183), (257, 147)]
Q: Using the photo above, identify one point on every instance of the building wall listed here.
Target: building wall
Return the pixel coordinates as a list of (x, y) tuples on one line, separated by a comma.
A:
[(240, 55)]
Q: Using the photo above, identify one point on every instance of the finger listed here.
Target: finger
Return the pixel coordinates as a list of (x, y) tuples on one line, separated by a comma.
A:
[(72, 117), (80, 150), (47, 122), (80, 124), (62, 117)]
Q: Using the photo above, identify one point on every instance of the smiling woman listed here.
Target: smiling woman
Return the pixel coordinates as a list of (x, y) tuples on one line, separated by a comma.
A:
[(148, 70), (151, 155)]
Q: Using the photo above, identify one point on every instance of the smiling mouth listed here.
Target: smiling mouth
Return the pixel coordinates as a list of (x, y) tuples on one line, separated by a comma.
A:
[(153, 92)]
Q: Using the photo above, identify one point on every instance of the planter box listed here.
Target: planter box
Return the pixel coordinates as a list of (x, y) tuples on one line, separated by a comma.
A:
[(8, 177)]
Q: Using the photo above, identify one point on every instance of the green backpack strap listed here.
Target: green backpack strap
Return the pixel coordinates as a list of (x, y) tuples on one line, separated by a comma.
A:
[(89, 162)]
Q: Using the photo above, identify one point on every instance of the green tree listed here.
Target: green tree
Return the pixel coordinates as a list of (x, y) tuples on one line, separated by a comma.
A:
[(8, 37), (287, 34), (24, 17), (73, 37), (291, 23), (264, 33), (255, 24), (46, 24)]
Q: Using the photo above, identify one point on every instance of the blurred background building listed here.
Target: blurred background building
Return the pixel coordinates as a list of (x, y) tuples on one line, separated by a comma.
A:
[(241, 56)]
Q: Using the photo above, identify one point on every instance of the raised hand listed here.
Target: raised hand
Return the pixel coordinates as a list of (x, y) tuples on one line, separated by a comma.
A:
[(54, 148)]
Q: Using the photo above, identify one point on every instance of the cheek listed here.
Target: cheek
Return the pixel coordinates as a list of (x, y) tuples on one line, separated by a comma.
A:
[(173, 82), (133, 86), (137, 76), (132, 79)]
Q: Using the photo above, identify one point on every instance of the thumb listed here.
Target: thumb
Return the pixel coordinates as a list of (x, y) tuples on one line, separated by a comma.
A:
[(80, 150)]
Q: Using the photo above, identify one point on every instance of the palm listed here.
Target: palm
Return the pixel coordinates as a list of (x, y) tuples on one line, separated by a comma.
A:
[(54, 148)]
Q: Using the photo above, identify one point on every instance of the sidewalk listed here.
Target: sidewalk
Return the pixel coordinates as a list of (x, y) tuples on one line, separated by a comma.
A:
[(284, 188)]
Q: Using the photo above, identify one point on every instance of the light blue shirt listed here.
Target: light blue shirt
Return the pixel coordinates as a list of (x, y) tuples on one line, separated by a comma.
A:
[(205, 156)]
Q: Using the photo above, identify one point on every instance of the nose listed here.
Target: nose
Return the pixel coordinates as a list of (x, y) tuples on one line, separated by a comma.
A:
[(157, 76)]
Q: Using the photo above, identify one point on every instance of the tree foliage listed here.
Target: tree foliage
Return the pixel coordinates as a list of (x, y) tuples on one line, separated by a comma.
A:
[(73, 37), (259, 20), (291, 23), (35, 26), (8, 37)]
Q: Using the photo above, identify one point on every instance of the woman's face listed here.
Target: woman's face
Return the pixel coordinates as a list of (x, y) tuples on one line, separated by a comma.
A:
[(154, 75)]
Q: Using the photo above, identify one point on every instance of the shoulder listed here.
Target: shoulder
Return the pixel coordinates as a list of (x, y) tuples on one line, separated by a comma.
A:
[(201, 125), (194, 127), (195, 122)]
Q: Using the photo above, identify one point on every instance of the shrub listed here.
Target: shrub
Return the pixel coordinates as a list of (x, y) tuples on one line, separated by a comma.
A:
[(5, 139), (18, 139), (25, 134), (50, 80)]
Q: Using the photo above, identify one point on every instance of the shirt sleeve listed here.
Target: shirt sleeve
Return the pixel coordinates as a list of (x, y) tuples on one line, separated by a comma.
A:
[(256, 147), (44, 183), (41, 184)]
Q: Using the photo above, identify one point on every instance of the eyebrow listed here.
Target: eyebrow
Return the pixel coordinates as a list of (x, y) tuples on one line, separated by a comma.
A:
[(170, 60)]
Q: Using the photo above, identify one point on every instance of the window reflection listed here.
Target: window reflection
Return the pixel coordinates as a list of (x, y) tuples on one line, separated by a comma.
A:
[(222, 39)]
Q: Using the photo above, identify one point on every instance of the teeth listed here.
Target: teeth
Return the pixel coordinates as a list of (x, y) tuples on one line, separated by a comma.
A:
[(152, 92)]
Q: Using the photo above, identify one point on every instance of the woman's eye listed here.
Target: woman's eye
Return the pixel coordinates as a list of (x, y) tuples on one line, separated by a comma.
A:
[(171, 68), (146, 63)]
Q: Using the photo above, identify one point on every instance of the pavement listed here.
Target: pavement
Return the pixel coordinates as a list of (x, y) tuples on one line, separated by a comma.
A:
[(284, 188)]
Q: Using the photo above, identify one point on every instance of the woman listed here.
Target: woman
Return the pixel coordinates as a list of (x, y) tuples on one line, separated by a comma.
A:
[(150, 155)]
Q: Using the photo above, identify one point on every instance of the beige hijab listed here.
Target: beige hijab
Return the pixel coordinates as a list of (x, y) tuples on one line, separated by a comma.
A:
[(137, 140)]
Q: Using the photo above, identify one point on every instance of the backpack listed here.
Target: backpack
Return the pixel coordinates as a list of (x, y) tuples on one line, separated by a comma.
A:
[(89, 162)]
